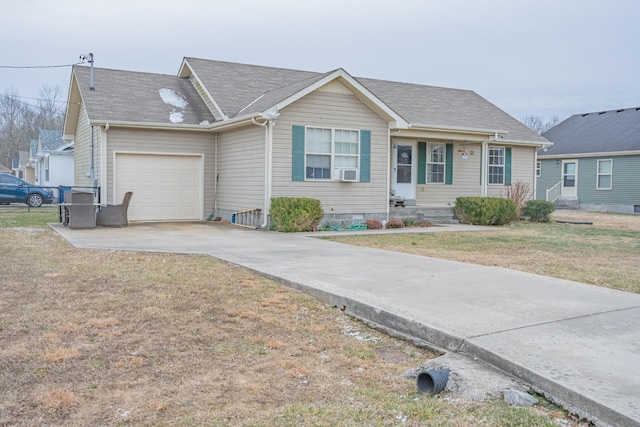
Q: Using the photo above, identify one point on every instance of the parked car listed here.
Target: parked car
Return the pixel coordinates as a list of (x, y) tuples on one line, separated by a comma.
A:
[(16, 190)]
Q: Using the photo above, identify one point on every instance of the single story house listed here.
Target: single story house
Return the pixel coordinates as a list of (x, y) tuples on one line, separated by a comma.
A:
[(220, 138), (52, 160), (594, 163)]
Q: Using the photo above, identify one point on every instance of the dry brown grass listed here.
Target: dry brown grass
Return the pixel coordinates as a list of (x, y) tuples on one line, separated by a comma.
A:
[(94, 337)]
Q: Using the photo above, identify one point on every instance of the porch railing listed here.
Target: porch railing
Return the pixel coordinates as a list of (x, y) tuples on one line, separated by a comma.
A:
[(553, 193)]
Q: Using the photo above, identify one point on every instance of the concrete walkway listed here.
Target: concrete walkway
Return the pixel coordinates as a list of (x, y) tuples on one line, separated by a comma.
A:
[(578, 344)]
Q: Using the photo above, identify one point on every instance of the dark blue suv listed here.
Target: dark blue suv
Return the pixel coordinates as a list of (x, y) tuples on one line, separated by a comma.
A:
[(15, 190)]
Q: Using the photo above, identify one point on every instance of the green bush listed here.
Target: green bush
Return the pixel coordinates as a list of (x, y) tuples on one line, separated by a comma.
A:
[(538, 210), (485, 210), (291, 214)]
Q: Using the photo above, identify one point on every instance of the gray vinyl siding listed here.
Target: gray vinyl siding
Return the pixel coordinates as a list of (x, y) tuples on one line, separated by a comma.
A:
[(241, 169), (549, 176), (163, 142), (625, 190), (523, 170), (336, 110), (82, 149), (466, 178), (625, 187)]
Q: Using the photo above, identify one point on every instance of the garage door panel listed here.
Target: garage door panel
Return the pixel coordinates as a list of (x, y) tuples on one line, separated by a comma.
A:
[(165, 187)]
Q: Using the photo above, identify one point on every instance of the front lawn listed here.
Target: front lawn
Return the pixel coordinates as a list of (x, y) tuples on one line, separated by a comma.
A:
[(602, 255)]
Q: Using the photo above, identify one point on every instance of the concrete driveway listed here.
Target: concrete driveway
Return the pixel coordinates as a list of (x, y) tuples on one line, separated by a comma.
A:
[(578, 344)]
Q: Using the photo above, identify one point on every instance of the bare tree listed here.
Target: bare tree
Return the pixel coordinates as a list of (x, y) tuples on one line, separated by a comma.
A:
[(21, 122), (538, 125)]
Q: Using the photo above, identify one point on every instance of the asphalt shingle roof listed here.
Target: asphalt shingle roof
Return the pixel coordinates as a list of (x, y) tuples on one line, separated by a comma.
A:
[(438, 106), (135, 97), (241, 89), (605, 131), (51, 140)]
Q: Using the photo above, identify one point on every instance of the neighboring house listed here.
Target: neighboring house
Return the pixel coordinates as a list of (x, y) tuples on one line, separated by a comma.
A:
[(594, 163), (52, 160), (21, 168), (4, 169), (221, 137)]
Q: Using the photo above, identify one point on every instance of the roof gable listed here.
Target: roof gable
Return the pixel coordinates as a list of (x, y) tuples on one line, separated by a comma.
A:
[(236, 86), (606, 131)]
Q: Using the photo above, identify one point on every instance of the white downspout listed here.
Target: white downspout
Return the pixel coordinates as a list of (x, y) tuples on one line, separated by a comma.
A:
[(389, 157), (268, 135), (104, 142), (483, 168), (215, 171)]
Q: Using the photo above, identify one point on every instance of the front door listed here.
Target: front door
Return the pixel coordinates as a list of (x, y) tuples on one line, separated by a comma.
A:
[(569, 178), (404, 170)]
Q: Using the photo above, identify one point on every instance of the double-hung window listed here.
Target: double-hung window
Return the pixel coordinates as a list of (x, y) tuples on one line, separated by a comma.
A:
[(435, 163), (326, 149), (605, 174), (496, 165)]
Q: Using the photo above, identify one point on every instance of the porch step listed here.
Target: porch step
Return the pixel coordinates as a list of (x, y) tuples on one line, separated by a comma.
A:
[(433, 214), (567, 203)]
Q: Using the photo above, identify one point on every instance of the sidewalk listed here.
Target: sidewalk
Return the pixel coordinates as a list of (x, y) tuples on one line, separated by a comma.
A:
[(578, 344)]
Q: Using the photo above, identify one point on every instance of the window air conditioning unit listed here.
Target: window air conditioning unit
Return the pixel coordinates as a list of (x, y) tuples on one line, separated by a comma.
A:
[(349, 175)]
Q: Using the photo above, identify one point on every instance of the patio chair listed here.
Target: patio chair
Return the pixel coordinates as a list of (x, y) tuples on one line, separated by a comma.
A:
[(115, 215)]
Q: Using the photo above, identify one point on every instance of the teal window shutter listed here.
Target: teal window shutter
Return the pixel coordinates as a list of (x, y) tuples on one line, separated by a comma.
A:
[(481, 171), (422, 162), (365, 156), (507, 166), (448, 165), (297, 151)]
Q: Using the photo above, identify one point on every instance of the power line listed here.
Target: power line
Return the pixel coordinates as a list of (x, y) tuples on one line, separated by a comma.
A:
[(39, 107), (40, 66), (13, 98)]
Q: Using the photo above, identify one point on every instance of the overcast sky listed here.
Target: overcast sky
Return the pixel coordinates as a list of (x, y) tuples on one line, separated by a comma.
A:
[(529, 57)]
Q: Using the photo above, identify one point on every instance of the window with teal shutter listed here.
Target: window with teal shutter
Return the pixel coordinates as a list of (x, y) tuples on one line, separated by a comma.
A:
[(365, 155), (329, 149), (507, 166), (448, 179), (297, 151)]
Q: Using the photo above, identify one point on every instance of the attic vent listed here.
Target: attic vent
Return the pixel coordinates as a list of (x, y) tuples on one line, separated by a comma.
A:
[(601, 113), (585, 115), (619, 111)]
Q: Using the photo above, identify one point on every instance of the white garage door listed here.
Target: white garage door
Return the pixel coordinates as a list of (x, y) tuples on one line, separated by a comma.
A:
[(165, 187)]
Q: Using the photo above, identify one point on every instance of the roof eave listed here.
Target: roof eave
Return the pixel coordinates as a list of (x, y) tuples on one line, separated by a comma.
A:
[(457, 129), (210, 127), (597, 154), (74, 100)]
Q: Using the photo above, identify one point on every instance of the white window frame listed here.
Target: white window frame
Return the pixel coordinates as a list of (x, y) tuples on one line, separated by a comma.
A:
[(46, 168), (334, 171), (430, 162), (496, 165), (599, 174), (538, 169)]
